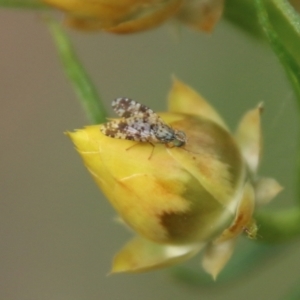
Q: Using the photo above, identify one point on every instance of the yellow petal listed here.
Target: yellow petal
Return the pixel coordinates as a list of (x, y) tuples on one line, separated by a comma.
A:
[(249, 137), (175, 196), (153, 17), (119, 16), (216, 256), (201, 14), (243, 216), (102, 12), (183, 99), (141, 255), (266, 189)]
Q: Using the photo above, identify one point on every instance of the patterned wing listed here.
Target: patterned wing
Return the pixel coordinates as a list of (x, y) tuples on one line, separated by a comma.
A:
[(131, 128), (126, 108), (138, 123)]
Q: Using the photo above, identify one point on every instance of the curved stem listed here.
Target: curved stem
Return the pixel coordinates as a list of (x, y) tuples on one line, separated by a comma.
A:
[(83, 85), (281, 225), (243, 14), (288, 61)]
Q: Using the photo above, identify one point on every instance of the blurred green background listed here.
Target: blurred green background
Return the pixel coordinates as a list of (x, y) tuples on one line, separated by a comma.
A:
[(58, 236)]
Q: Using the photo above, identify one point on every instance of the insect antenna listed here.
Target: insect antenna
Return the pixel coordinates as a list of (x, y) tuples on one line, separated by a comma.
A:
[(189, 151)]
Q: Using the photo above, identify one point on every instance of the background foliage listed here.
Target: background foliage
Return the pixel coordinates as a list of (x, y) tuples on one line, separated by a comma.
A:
[(57, 233)]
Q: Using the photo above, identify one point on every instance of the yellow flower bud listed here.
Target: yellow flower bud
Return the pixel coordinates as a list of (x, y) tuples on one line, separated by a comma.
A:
[(176, 199), (127, 16), (179, 195)]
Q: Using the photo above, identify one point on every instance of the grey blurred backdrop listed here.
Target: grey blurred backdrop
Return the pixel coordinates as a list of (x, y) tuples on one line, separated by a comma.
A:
[(57, 234)]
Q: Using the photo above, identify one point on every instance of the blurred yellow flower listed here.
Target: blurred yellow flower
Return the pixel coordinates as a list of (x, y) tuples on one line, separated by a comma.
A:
[(128, 16), (182, 199)]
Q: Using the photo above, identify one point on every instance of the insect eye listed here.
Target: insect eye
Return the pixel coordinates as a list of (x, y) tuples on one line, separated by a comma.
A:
[(178, 143)]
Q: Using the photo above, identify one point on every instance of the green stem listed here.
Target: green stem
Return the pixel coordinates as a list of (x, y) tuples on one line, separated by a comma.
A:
[(242, 13), (282, 225), (294, 293), (83, 85), (278, 226), (288, 61)]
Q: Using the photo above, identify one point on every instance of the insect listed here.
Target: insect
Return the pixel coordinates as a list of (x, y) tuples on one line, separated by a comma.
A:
[(251, 230), (139, 123)]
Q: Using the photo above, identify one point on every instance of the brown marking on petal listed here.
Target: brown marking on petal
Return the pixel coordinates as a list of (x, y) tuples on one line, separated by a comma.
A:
[(194, 223), (239, 224), (236, 227), (243, 217), (218, 160), (146, 20), (201, 15)]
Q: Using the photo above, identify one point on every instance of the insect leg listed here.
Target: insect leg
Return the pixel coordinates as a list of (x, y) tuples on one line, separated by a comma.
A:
[(153, 146)]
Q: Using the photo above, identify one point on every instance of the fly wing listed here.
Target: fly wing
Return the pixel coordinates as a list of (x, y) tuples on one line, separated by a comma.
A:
[(131, 128), (126, 108)]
